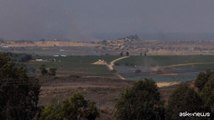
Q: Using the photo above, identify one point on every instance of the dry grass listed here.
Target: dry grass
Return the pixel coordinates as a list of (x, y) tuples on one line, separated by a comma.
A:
[(103, 91)]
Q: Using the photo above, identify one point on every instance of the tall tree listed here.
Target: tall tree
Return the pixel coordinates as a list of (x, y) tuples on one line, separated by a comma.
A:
[(202, 79), (183, 99), (140, 102), (74, 108), (205, 85), (18, 93), (207, 94)]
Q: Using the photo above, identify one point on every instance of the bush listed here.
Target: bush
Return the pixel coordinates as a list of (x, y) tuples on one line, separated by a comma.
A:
[(25, 58), (52, 71), (74, 108), (207, 94), (18, 93), (138, 71), (140, 102), (43, 70), (201, 80), (205, 84), (183, 99)]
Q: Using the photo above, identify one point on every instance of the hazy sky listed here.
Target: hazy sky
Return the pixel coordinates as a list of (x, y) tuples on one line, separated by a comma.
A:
[(74, 19)]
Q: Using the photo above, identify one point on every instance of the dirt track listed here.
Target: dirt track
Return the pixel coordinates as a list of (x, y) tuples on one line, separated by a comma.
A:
[(111, 65), (187, 64)]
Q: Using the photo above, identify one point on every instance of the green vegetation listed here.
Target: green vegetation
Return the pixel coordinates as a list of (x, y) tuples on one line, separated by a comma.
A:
[(75, 65), (52, 71), (187, 99), (202, 79), (205, 86), (207, 94), (19, 94), (82, 65), (74, 108), (19, 57), (183, 99), (140, 102), (45, 71), (166, 60)]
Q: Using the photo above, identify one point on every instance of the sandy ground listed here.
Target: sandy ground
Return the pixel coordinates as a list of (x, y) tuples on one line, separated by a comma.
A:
[(167, 84), (103, 91)]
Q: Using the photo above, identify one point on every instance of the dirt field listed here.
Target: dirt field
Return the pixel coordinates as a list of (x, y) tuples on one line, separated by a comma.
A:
[(103, 91)]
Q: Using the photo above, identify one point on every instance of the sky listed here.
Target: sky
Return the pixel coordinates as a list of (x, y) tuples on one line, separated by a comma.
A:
[(84, 19)]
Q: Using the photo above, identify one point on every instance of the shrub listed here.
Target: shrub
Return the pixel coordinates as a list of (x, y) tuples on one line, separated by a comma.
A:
[(52, 71), (201, 80), (183, 99), (140, 102), (207, 94), (74, 108), (19, 94), (43, 70)]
